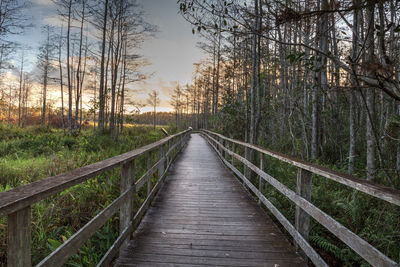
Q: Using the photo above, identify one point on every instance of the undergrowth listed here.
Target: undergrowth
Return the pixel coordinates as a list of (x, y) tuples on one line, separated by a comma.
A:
[(34, 153), (374, 220)]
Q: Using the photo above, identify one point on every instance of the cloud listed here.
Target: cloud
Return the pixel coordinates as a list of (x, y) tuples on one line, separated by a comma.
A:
[(53, 20), (43, 2)]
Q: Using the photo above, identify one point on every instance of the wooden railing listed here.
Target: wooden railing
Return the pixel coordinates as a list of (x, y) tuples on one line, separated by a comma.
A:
[(225, 147), (17, 203)]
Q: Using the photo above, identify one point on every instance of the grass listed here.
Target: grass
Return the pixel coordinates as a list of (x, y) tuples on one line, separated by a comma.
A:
[(34, 153)]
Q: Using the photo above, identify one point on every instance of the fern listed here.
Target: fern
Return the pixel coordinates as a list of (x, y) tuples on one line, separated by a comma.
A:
[(329, 247), (352, 208)]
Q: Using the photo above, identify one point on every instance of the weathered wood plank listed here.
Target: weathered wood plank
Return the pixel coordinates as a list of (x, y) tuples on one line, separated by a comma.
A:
[(201, 214), (149, 175), (113, 250), (260, 179), (359, 245), (19, 238), (67, 249), (241, 247), (127, 183), (299, 239), (146, 177), (23, 196), (224, 253), (17, 202), (303, 189), (208, 261), (161, 152), (371, 188)]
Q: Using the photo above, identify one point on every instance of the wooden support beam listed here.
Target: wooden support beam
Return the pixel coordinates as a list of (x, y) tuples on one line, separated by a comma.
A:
[(233, 158), (226, 152), (19, 238), (168, 150), (161, 153), (127, 181), (245, 156), (383, 192), (182, 138), (260, 179), (303, 189), (150, 175)]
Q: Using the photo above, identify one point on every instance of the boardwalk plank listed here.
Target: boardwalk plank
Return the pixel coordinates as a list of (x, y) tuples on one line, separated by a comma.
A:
[(203, 216)]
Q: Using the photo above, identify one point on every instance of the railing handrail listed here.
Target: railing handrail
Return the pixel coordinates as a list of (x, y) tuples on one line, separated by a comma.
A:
[(23, 196), (302, 198), (383, 192), (17, 202)]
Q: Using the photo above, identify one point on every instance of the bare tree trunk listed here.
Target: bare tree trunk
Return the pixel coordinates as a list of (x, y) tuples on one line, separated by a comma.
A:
[(20, 89), (352, 137), (78, 70), (9, 106), (45, 77), (370, 45), (321, 82), (123, 86), (218, 67), (69, 70), (102, 88), (24, 103), (61, 82)]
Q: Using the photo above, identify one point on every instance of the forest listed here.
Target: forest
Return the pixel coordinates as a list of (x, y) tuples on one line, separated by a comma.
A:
[(317, 80)]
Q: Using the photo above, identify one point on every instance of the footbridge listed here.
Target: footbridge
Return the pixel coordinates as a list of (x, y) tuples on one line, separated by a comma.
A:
[(199, 209)]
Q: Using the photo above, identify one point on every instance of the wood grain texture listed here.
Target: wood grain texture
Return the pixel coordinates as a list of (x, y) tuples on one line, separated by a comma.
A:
[(298, 238), (19, 238), (127, 181), (383, 192), (23, 196), (359, 245), (204, 216), (303, 189)]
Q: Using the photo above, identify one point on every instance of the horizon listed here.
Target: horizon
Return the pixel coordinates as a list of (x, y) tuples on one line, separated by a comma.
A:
[(171, 53)]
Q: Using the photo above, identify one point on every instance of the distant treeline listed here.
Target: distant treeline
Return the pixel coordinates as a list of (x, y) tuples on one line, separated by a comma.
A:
[(33, 115), (163, 118)]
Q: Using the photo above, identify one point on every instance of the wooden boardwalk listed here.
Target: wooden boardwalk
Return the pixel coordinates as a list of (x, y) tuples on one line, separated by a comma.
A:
[(204, 216)]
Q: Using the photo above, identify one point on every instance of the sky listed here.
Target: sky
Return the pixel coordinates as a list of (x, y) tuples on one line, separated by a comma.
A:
[(171, 52)]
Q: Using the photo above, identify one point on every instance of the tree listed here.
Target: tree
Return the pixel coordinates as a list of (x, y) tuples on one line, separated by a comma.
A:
[(12, 22), (65, 11), (297, 81), (102, 87), (177, 103), (154, 101), (45, 57), (20, 94)]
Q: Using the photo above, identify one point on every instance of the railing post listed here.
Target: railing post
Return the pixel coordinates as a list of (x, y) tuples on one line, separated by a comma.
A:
[(221, 141), (226, 152), (150, 175), (181, 141), (127, 181), (303, 189), (246, 170), (233, 157), (168, 150), (260, 179), (19, 238), (161, 153)]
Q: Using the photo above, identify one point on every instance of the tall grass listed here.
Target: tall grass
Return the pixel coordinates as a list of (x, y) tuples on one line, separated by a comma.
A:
[(34, 153)]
